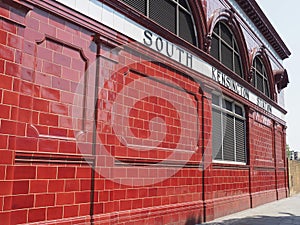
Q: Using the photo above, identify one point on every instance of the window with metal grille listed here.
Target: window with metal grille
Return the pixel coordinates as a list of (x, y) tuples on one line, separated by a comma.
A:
[(228, 130), (225, 49), (174, 15), (260, 78)]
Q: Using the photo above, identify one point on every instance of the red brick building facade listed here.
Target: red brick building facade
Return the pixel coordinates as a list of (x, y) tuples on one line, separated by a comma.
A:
[(139, 112)]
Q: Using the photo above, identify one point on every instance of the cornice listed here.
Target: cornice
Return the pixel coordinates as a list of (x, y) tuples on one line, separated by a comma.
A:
[(255, 13)]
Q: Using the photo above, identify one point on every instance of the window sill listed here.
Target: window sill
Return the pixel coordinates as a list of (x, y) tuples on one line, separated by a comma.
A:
[(218, 164), (228, 162)]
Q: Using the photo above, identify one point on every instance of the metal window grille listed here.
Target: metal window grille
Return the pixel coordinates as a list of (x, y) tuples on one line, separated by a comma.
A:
[(174, 15), (260, 79), (228, 130), (225, 49)]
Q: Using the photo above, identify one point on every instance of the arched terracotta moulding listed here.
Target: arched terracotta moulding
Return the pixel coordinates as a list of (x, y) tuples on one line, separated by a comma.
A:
[(228, 17), (281, 79), (199, 17), (261, 52)]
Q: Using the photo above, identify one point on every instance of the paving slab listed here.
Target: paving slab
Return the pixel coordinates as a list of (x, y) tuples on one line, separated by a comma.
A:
[(283, 212)]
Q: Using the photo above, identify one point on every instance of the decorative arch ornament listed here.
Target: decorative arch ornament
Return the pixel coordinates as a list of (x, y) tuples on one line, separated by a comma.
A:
[(188, 17), (228, 17), (262, 54)]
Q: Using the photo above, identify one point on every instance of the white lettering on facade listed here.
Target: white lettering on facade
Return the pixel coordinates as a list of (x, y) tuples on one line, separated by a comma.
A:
[(263, 104), (172, 51), (262, 119), (229, 83)]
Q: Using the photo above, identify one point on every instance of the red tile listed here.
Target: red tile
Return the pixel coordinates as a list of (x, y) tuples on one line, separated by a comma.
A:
[(61, 84), (66, 172), (71, 211), (54, 46), (58, 108), (10, 98), (71, 185), (82, 197), (41, 105), (5, 111), (26, 87), (36, 215), (51, 94), (3, 140), (46, 172), (6, 188), (18, 217), (5, 217), (65, 198), (46, 28), (2, 66), (3, 37), (38, 186), (44, 54), (61, 59), (54, 213), (126, 204), (7, 53), (27, 74), (58, 131), (84, 209), (32, 23), (83, 172), (22, 201), (20, 187), (24, 172), (42, 79), (26, 101), (24, 143), (44, 200), (85, 185), (56, 186), (14, 41), (7, 158), (22, 115), (48, 119), (6, 82), (46, 145), (98, 207), (51, 68), (67, 147)]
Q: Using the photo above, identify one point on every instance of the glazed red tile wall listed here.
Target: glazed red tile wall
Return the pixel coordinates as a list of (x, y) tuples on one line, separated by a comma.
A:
[(231, 182), (262, 144), (51, 171)]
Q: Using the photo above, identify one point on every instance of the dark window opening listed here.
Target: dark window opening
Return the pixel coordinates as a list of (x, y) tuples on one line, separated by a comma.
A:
[(260, 78), (174, 15), (225, 49)]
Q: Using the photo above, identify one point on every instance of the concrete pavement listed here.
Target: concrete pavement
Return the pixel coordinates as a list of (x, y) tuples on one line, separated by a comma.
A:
[(282, 212)]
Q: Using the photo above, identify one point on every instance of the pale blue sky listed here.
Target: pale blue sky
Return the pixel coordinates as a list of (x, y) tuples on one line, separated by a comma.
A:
[(285, 17)]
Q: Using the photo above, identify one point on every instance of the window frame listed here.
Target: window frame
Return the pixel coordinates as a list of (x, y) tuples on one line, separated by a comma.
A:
[(234, 48), (223, 111), (177, 16), (264, 76)]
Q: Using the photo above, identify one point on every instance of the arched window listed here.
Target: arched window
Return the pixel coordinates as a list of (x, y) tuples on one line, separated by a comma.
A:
[(225, 49), (174, 15), (260, 78)]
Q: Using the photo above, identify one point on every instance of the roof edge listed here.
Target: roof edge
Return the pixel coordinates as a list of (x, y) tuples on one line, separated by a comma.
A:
[(258, 17)]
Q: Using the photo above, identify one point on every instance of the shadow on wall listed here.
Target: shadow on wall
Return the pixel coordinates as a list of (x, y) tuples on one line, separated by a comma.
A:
[(289, 219)]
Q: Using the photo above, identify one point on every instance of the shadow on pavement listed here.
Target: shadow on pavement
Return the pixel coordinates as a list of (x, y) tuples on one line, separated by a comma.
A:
[(288, 219), (193, 220)]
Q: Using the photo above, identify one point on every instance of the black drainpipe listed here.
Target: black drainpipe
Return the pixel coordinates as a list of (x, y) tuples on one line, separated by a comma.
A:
[(203, 159), (96, 39)]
